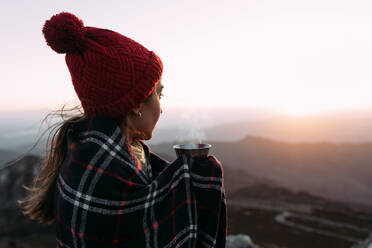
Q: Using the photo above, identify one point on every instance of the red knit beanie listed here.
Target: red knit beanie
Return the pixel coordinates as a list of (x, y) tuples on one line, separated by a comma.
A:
[(111, 73)]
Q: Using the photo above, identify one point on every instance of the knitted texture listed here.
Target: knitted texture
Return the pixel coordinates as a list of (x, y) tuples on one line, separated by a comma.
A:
[(110, 72), (105, 198)]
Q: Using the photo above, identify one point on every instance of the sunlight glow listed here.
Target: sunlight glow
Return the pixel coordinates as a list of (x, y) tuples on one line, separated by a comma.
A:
[(240, 53)]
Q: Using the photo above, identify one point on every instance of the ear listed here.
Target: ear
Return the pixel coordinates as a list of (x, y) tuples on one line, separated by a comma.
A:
[(137, 109)]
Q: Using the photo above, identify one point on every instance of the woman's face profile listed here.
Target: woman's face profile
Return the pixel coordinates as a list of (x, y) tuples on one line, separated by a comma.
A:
[(150, 113)]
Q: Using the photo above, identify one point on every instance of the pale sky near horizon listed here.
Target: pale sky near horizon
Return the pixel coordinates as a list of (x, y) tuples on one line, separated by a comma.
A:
[(294, 56)]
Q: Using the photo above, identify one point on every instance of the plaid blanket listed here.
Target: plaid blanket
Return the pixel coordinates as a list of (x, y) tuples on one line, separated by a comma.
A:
[(105, 198)]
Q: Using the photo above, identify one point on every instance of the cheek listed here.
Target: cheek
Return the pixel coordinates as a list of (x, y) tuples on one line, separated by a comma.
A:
[(154, 112), (157, 110)]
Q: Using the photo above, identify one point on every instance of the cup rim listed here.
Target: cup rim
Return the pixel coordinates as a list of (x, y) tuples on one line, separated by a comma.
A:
[(192, 146)]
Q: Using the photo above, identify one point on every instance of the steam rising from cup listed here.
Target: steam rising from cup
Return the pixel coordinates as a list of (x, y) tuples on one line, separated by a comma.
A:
[(192, 132), (192, 136)]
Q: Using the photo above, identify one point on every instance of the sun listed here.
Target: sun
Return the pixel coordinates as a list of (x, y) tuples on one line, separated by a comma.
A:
[(300, 108), (299, 111)]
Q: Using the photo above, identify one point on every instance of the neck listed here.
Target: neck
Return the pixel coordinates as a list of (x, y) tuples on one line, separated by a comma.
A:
[(128, 134)]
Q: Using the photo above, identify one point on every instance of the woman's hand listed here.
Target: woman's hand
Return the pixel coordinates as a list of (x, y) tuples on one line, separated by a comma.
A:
[(202, 165), (207, 161)]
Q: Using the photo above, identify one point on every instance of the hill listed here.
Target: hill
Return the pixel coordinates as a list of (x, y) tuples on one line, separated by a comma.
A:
[(6, 156), (339, 172), (299, 129)]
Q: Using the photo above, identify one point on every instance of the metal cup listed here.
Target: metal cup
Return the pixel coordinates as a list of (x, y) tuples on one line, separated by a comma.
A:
[(192, 150)]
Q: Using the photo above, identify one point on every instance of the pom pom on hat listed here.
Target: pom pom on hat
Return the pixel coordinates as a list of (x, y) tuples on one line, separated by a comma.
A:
[(63, 32)]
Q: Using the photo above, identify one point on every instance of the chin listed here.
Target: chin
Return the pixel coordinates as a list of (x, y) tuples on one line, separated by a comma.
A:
[(148, 136)]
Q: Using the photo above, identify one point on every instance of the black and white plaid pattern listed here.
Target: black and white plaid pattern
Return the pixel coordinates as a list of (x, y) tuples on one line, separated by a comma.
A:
[(103, 198)]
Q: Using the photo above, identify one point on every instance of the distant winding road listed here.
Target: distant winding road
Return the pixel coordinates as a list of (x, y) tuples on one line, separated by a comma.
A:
[(282, 218)]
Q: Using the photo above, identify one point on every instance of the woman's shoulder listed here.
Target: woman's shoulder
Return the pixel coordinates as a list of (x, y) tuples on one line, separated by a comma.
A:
[(88, 125)]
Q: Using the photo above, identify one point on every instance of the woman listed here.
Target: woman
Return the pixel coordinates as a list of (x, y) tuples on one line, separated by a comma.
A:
[(100, 182)]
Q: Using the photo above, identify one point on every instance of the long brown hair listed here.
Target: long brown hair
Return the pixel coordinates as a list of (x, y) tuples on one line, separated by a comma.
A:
[(38, 205)]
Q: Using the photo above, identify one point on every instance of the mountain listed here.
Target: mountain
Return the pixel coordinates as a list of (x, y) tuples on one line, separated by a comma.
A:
[(15, 229), (277, 217), (340, 127), (6, 156), (298, 129), (266, 199), (13, 176), (335, 171)]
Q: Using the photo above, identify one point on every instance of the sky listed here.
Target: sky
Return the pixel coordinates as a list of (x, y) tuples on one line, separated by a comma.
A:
[(295, 56)]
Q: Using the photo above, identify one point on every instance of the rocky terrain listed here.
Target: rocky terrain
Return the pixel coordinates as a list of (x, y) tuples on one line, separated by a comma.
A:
[(278, 217), (15, 229)]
